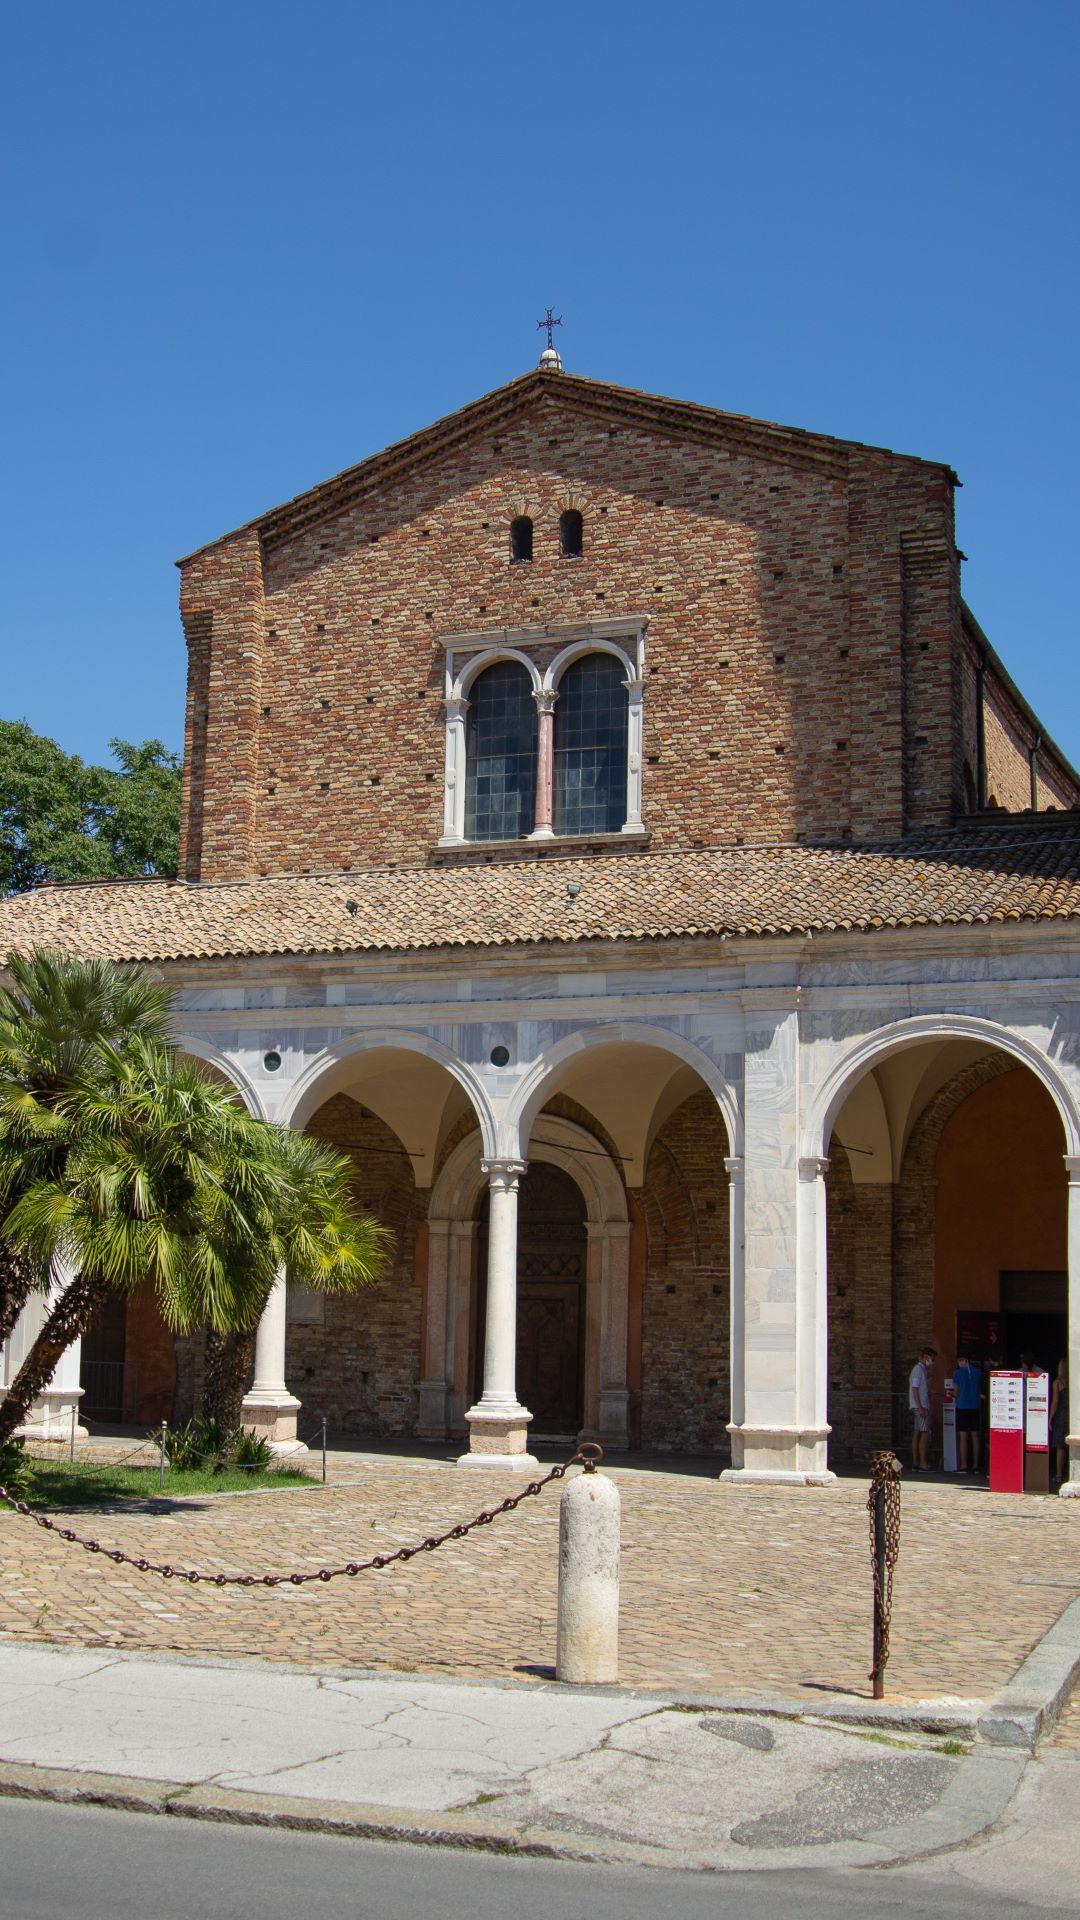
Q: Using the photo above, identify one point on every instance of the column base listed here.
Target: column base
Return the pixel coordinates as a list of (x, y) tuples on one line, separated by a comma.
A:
[(498, 1437), (273, 1417), (50, 1416), (779, 1455), (614, 1420), (431, 1421)]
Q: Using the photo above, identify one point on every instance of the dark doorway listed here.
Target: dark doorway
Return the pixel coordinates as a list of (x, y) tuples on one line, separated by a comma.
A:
[(103, 1352), (1035, 1310), (551, 1301)]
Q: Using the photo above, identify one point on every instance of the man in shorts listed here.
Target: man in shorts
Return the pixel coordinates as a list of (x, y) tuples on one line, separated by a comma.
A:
[(919, 1404), (967, 1380)]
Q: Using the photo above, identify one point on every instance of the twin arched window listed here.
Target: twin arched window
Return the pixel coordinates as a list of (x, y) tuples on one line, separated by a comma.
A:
[(588, 772), (571, 536)]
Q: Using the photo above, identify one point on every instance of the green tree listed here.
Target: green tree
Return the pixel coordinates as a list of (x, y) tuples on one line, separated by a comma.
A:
[(121, 1162), (61, 819)]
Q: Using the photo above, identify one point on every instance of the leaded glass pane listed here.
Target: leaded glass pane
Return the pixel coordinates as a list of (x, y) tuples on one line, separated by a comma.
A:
[(590, 747), (500, 756)]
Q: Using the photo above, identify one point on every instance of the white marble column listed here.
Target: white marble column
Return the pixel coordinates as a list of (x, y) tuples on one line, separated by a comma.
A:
[(431, 1417), (50, 1415), (634, 693), (453, 833), (778, 1430), (545, 698), (733, 1167), (498, 1424), (614, 1401), (270, 1408), (1071, 1487)]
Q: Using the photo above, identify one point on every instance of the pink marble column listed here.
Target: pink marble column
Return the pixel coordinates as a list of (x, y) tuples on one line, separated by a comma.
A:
[(545, 699)]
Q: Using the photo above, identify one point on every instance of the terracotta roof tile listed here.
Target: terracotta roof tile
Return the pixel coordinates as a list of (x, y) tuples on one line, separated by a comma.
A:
[(1025, 872)]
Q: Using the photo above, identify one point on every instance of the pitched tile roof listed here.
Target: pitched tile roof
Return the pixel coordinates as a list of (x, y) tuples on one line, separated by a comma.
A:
[(1025, 872)]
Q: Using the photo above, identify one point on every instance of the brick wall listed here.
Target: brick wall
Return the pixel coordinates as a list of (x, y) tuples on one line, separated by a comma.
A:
[(685, 1328), (801, 598), (361, 1366)]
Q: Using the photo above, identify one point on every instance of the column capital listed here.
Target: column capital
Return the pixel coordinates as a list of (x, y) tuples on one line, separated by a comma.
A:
[(735, 1167), (456, 706), (1072, 1168), (813, 1166), (503, 1173), (545, 698)]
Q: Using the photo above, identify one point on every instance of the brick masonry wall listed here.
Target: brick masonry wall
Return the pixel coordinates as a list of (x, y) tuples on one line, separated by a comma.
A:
[(685, 1344), (361, 1366), (782, 653)]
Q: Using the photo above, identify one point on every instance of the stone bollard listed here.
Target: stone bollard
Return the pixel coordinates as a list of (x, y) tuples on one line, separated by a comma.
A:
[(587, 1636)]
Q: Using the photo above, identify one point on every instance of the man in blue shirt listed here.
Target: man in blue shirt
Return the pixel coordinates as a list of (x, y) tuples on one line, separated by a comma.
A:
[(967, 1380)]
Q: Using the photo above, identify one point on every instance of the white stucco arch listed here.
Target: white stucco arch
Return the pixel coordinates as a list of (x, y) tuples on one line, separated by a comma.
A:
[(325, 1075), (875, 1047), (210, 1056), (541, 1081)]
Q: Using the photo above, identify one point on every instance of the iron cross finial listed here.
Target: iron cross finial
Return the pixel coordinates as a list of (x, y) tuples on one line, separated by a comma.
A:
[(550, 322)]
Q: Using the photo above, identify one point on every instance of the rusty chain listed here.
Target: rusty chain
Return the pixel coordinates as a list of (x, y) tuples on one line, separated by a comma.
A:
[(588, 1455), (885, 1471)]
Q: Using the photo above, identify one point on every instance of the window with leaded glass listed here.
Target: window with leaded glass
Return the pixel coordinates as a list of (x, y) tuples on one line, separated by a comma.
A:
[(589, 793), (500, 755)]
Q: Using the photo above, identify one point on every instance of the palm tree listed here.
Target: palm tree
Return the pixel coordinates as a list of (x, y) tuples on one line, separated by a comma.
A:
[(121, 1162), (52, 1021)]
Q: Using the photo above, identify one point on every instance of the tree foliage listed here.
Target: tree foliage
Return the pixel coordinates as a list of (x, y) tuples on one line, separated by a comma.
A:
[(123, 1163), (61, 819)]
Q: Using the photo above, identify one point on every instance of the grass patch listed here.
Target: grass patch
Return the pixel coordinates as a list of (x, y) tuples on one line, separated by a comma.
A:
[(62, 1484)]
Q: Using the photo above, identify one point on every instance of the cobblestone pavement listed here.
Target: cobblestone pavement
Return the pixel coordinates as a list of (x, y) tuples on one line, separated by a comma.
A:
[(725, 1588)]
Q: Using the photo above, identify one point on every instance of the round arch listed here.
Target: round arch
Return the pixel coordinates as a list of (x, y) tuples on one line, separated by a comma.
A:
[(877, 1046), (491, 657), (541, 1081), (577, 651), (320, 1079), (199, 1050), (456, 1192)]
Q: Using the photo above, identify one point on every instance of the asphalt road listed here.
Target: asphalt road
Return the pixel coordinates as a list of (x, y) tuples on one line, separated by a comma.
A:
[(72, 1863)]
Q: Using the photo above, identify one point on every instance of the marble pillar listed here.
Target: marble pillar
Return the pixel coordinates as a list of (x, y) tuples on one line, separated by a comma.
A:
[(498, 1424), (269, 1407)]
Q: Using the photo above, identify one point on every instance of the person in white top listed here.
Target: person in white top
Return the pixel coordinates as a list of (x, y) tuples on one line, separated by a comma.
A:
[(919, 1404)]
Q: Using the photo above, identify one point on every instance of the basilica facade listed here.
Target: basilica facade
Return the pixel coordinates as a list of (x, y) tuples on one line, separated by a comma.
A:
[(605, 821)]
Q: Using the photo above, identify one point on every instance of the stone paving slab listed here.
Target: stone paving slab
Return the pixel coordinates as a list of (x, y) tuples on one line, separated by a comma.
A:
[(726, 1589), (598, 1773)]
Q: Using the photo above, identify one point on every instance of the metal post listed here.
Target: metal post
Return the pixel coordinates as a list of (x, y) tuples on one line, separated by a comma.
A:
[(73, 1436), (324, 1449), (161, 1462), (879, 1589)]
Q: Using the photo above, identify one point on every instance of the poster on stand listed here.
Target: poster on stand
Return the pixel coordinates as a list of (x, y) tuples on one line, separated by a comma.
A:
[(1007, 1431)]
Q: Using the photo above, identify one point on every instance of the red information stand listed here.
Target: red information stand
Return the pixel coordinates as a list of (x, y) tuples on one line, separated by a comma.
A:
[(1007, 1432)]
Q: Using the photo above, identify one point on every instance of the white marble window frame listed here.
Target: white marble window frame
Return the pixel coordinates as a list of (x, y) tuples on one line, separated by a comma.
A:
[(469, 654)]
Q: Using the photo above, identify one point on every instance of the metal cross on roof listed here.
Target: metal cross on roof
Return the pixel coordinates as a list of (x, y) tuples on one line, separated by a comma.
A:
[(549, 323)]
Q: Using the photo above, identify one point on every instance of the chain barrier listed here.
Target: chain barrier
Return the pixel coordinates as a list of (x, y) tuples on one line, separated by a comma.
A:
[(588, 1456), (883, 1507)]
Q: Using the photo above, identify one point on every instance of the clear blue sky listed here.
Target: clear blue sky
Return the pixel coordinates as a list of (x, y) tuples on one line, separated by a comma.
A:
[(248, 244)]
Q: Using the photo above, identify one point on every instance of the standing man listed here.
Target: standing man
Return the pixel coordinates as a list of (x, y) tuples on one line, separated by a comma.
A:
[(919, 1403), (967, 1380)]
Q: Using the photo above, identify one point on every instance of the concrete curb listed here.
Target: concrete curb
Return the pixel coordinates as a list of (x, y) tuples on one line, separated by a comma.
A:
[(1028, 1707), (977, 1797), (1005, 1733)]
